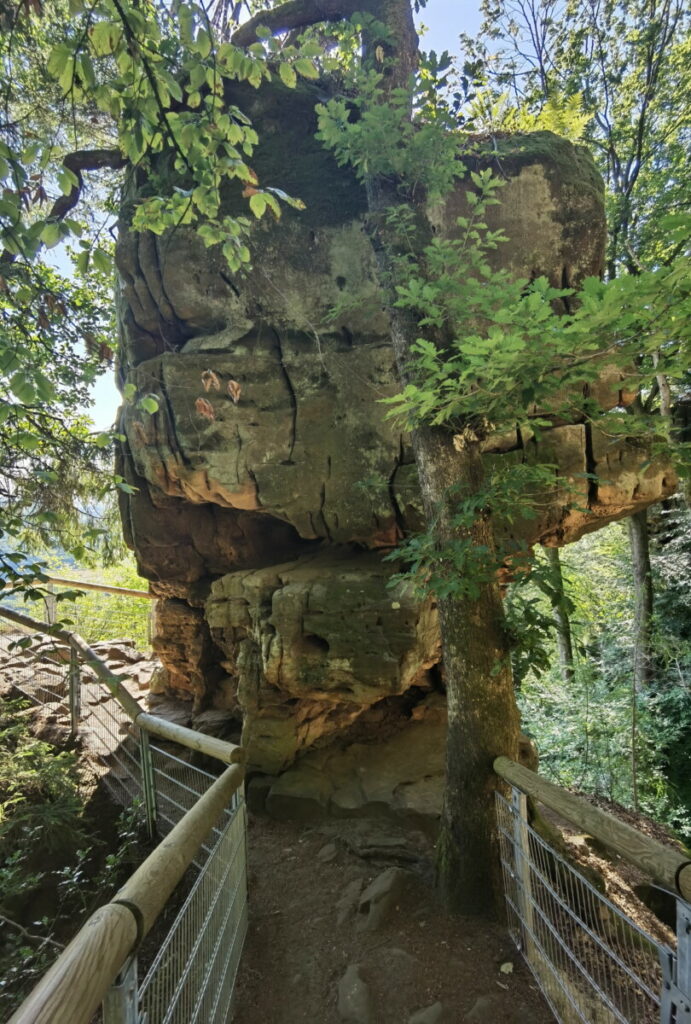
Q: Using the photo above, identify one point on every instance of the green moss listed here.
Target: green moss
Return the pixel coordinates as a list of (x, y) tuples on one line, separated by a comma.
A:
[(565, 165)]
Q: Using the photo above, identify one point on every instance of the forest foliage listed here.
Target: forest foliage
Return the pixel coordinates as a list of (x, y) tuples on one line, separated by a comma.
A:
[(136, 93)]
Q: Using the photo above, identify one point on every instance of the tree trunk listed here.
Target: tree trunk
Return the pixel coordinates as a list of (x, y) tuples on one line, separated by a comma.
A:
[(643, 595), (561, 617), (483, 719), (483, 716)]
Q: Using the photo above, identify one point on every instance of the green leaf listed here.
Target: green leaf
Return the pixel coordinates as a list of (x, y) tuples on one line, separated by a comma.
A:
[(104, 36), (51, 234), (67, 180), (27, 442), (60, 57), (258, 203), (306, 67), (22, 387), (102, 260), (203, 44), (149, 403), (44, 387), (288, 76)]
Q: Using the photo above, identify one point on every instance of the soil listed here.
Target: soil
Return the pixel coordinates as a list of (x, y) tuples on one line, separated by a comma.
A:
[(652, 908), (307, 928)]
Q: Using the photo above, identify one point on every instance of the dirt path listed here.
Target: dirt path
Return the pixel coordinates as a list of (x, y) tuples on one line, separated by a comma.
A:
[(319, 951)]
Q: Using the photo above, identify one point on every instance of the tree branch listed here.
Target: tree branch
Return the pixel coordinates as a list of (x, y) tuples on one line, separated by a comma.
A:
[(84, 160), (42, 939), (80, 160), (297, 14)]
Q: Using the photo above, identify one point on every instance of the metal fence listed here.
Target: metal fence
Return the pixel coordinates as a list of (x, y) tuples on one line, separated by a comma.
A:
[(192, 978), (592, 962), (192, 975), (47, 672)]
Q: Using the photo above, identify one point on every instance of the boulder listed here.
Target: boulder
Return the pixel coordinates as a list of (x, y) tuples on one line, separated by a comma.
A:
[(270, 481)]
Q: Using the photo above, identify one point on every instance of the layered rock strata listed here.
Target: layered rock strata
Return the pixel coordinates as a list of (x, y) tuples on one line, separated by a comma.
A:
[(270, 482)]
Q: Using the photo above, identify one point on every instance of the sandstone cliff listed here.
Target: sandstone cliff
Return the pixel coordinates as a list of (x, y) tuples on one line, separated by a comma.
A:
[(261, 519)]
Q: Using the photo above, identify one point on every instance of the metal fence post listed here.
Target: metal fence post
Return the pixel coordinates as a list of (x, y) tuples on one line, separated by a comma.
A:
[(148, 782), (521, 838), (121, 1004), (75, 693), (50, 606), (684, 956)]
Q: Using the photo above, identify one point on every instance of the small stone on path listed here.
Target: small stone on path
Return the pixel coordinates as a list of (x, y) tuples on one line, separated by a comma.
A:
[(349, 900), (380, 896), (483, 1010), (428, 1015), (327, 853), (354, 1001)]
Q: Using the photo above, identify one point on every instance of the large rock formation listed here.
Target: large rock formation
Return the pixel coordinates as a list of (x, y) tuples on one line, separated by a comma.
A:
[(262, 521)]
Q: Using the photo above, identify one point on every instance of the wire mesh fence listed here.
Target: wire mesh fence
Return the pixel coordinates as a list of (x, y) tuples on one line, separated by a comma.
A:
[(192, 976), (592, 962), (37, 665)]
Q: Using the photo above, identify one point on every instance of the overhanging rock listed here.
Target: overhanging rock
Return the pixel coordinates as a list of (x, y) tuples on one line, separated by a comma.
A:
[(262, 519)]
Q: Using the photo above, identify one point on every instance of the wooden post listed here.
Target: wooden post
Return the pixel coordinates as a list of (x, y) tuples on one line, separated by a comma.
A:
[(521, 843), (148, 783), (50, 606), (121, 1002), (683, 979)]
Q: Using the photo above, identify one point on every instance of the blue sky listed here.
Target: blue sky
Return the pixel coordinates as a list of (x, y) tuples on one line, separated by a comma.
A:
[(445, 20)]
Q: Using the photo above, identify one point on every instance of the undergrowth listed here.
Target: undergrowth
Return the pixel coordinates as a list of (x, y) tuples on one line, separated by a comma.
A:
[(55, 869)]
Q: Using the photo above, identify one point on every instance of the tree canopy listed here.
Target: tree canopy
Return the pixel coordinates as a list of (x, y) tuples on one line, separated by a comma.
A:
[(137, 94)]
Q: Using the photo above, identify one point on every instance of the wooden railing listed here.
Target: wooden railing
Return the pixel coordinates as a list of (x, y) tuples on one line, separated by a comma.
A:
[(230, 753), (72, 990), (74, 987), (668, 867), (105, 588)]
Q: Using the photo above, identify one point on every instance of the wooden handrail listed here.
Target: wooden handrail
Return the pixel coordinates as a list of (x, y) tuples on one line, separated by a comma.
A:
[(113, 682), (152, 883), (74, 987), (83, 585), (191, 738), (666, 866), (229, 753)]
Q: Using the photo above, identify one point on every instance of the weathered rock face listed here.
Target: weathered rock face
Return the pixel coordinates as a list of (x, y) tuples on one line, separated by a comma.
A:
[(262, 521)]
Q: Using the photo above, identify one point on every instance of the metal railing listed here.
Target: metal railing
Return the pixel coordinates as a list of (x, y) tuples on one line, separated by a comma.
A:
[(192, 975), (593, 964)]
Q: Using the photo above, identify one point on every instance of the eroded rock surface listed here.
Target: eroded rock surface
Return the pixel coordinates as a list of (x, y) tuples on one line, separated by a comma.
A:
[(269, 483)]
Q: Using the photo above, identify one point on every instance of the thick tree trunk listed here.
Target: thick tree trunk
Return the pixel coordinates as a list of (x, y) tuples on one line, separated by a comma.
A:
[(483, 717), (561, 617), (643, 593)]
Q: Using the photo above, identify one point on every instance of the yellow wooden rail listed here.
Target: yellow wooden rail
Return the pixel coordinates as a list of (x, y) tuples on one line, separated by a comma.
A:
[(230, 753), (669, 868), (84, 585), (74, 987)]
